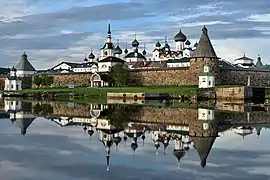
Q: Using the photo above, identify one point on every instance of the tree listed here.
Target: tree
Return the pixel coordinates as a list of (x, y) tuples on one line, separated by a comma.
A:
[(43, 80), (119, 75), (37, 81)]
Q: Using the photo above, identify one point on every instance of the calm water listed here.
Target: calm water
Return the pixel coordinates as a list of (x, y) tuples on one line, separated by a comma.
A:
[(49, 140)]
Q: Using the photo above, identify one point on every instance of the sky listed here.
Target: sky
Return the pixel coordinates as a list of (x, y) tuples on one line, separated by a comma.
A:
[(49, 151), (51, 31)]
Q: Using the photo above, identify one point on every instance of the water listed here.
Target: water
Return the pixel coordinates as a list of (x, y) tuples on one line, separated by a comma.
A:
[(51, 140)]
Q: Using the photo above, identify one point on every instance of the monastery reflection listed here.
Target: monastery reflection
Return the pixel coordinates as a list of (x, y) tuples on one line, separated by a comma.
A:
[(198, 133)]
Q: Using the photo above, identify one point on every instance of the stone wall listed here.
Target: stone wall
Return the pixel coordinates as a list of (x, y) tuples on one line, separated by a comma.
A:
[(166, 115), (174, 76), (2, 82), (240, 77), (79, 79)]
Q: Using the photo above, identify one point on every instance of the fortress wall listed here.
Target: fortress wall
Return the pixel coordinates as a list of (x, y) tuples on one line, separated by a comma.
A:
[(79, 79), (2, 82), (163, 77), (166, 115), (240, 77)]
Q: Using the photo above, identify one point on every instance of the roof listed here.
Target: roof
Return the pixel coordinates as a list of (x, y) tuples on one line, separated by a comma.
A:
[(180, 37), (266, 67), (184, 59), (244, 58), (204, 48), (146, 64), (24, 123), (259, 62), (203, 146), (206, 74), (4, 70), (132, 55), (226, 65), (24, 64), (112, 59)]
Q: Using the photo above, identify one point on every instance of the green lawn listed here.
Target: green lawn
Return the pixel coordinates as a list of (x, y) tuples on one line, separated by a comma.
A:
[(102, 91)]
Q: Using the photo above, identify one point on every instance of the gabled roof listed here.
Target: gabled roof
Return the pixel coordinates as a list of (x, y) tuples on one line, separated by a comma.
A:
[(204, 48), (112, 59), (68, 63), (24, 64)]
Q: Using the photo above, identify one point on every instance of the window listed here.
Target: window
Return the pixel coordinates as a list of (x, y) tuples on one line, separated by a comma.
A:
[(17, 87), (204, 80), (209, 83), (12, 86)]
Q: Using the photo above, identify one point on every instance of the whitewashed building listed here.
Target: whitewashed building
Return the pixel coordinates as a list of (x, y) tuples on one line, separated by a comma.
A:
[(206, 79), (13, 83)]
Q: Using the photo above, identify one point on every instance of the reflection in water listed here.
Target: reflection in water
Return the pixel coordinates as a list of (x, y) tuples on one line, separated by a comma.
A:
[(180, 128)]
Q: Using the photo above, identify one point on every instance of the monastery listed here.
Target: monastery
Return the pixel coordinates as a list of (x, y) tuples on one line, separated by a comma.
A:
[(181, 65)]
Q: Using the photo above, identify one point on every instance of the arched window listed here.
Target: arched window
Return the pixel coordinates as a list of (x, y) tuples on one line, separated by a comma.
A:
[(12, 86)]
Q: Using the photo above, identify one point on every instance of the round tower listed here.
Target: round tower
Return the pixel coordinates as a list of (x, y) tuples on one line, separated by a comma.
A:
[(204, 54)]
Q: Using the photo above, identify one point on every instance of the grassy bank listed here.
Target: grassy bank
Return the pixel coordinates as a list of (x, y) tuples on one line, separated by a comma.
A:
[(102, 91)]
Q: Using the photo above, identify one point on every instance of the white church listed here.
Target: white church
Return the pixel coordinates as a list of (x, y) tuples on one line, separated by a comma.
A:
[(18, 73)]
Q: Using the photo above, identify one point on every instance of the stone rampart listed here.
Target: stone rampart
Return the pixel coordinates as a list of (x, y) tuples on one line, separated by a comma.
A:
[(2, 82), (166, 115), (79, 79), (180, 76), (240, 77)]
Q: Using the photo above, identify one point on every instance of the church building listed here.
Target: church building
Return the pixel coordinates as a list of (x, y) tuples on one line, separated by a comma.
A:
[(19, 74)]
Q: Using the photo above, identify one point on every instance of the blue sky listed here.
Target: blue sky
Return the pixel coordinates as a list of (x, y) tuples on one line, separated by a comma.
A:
[(53, 31)]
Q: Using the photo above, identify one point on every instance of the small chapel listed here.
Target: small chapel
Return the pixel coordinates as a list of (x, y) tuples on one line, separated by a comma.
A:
[(19, 74)]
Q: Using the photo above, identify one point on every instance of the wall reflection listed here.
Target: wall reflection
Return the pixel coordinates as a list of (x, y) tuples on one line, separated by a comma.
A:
[(180, 128)]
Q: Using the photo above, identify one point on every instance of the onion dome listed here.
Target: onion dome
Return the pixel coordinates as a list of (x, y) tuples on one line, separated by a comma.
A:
[(126, 51), (144, 52), (180, 37), (187, 42), (157, 145), (178, 153), (167, 45), (196, 44), (84, 128), (186, 148), (143, 138), (125, 139), (134, 146), (158, 44), (117, 140), (135, 43), (90, 132), (85, 59), (91, 55), (13, 69), (118, 50)]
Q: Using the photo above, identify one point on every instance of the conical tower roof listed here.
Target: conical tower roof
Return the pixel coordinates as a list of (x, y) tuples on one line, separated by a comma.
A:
[(204, 48), (259, 62), (203, 145), (24, 64), (24, 124)]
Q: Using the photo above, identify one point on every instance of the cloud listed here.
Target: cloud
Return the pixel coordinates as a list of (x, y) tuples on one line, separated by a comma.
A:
[(66, 29)]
